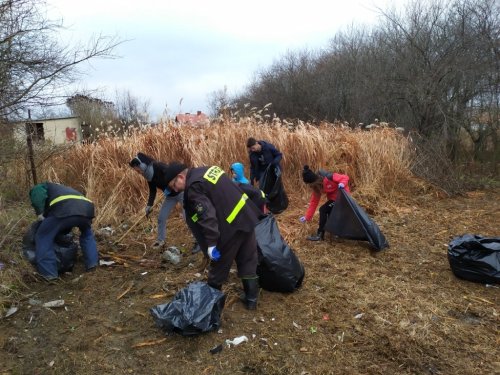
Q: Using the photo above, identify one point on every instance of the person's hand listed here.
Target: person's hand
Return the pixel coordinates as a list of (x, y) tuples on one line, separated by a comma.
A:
[(213, 253), (148, 210), (302, 219), (41, 217), (341, 185)]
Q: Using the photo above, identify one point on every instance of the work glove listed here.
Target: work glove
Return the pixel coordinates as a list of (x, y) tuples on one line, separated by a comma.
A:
[(341, 185), (41, 217), (213, 253), (302, 219), (148, 210)]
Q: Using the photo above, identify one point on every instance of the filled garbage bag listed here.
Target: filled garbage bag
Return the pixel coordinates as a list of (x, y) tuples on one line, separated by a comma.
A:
[(349, 220), (475, 258), (272, 185), (279, 269), (65, 247), (195, 309)]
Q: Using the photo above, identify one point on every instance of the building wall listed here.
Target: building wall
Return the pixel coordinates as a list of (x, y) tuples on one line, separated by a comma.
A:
[(56, 131)]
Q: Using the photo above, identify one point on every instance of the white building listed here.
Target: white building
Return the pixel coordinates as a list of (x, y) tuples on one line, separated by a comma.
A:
[(56, 130)]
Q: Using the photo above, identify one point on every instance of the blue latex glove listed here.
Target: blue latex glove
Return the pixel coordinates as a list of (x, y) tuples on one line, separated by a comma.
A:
[(341, 185), (302, 219), (148, 210), (213, 253)]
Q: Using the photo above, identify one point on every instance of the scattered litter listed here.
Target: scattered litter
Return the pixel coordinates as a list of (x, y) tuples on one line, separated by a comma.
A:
[(149, 343), (197, 274), (51, 363), (254, 335), (172, 255), (76, 279), (219, 331), (106, 262), (106, 231), (2, 266), (144, 273), (55, 303), (34, 302), (216, 349), (492, 286), (275, 344), (11, 311), (303, 350), (236, 341), (358, 316), (296, 325), (326, 317)]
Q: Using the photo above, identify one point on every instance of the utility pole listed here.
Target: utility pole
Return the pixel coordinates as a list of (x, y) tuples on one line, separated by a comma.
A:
[(29, 142)]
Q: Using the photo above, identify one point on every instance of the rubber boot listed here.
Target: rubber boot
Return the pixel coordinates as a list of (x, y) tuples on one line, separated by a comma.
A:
[(320, 236), (251, 288)]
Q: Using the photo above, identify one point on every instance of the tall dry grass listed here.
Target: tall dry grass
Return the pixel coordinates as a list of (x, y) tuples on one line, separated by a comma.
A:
[(378, 161)]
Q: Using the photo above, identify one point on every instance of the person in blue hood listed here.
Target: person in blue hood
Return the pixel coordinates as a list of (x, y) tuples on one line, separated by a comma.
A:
[(238, 171)]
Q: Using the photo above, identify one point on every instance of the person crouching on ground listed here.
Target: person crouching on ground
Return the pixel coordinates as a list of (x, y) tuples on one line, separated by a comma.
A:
[(322, 182), (155, 173), (60, 208), (223, 222)]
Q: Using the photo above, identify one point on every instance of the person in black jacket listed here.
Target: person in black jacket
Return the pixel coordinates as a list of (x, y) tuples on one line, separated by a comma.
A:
[(60, 208), (262, 154), (155, 174), (223, 222)]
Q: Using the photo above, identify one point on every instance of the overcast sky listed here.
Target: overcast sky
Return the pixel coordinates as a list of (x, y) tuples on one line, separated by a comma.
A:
[(186, 49)]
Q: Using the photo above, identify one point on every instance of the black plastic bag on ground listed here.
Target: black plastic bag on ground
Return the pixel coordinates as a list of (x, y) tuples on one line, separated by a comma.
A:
[(349, 220), (279, 269), (475, 258), (272, 185), (195, 309), (64, 246)]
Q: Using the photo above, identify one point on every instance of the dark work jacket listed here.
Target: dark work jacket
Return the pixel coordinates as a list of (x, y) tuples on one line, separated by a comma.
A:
[(67, 207), (255, 195), (269, 154), (210, 199), (158, 181)]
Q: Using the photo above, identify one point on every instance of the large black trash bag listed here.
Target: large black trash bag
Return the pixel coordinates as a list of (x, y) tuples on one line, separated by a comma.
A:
[(349, 220), (279, 269), (64, 246), (475, 258), (272, 185), (193, 310)]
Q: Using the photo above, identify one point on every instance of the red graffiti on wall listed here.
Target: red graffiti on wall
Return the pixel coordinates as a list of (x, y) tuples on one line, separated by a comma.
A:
[(71, 135)]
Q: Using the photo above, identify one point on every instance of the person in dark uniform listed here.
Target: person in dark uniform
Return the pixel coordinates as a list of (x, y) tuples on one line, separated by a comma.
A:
[(261, 154), (154, 172), (223, 221), (60, 208)]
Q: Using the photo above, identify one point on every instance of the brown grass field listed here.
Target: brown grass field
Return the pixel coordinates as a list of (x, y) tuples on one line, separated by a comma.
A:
[(399, 311)]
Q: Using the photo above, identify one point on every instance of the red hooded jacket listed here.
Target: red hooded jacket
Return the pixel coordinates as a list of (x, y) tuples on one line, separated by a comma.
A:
[(330, 187)]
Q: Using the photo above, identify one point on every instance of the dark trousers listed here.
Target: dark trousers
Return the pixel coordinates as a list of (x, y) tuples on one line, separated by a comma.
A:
[(324, 212), (45, 255), (242, 248)]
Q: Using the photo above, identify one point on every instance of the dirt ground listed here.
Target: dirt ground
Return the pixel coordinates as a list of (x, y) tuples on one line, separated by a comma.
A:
[(399, 311)]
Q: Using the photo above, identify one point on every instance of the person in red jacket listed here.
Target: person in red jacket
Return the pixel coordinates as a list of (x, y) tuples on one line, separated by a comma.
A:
[(322, 182)]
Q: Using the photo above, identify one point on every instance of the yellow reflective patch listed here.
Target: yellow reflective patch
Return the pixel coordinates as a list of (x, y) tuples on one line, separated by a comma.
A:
[(213, 174), (237, 209), (64, 197), (194, 218)]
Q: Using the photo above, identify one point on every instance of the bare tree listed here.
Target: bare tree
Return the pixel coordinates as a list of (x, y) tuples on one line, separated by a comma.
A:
[(34, 65), (131, 110)]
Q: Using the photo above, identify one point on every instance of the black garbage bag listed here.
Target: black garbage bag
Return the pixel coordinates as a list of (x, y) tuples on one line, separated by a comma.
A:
[(65, 247), (475, 258), (272, 185), (279, 269), (349, 220), (195, 309)]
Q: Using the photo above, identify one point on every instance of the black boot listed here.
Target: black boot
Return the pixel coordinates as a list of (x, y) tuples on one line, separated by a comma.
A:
[(251, 288), (320, 236)]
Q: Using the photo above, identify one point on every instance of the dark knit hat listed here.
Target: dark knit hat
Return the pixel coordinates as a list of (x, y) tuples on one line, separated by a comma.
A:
[(309, 176), (173, 169)]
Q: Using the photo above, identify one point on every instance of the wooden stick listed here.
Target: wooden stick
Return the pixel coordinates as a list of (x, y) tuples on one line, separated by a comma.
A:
[(149, 343), (131, 284), (134, 225)]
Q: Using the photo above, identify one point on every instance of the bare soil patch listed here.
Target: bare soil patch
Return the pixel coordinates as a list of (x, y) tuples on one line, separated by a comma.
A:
[(399, 311)]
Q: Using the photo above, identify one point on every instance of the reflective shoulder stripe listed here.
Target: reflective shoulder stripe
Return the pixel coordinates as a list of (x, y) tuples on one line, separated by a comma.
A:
[(64, 197), (237, 208), (194, 218), (213, 174), (263, 194)]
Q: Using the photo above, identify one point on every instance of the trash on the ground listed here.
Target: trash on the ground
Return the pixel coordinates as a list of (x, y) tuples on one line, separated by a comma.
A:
[(11, 311), (492, 286), (34, 302), (326, 317), (106, 262), (77, 279), (2, 265), (172, 255), (303, 349), (296, 325), (358, 316), (236, 341), (106, 231), (197, 274), (144, 273), (254, 335), (220, 331), (54, 303), (216, 349)]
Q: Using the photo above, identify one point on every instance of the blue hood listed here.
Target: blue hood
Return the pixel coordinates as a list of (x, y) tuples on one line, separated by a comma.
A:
[(239, 170)]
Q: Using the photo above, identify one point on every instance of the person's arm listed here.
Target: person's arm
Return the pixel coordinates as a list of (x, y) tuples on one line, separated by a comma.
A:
[(253, 170), (152, 193), (206, 215), (277, 155), (341, 178), (313, 204)]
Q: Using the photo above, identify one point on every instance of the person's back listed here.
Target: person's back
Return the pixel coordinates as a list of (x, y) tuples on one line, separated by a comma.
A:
[(262, 154)]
